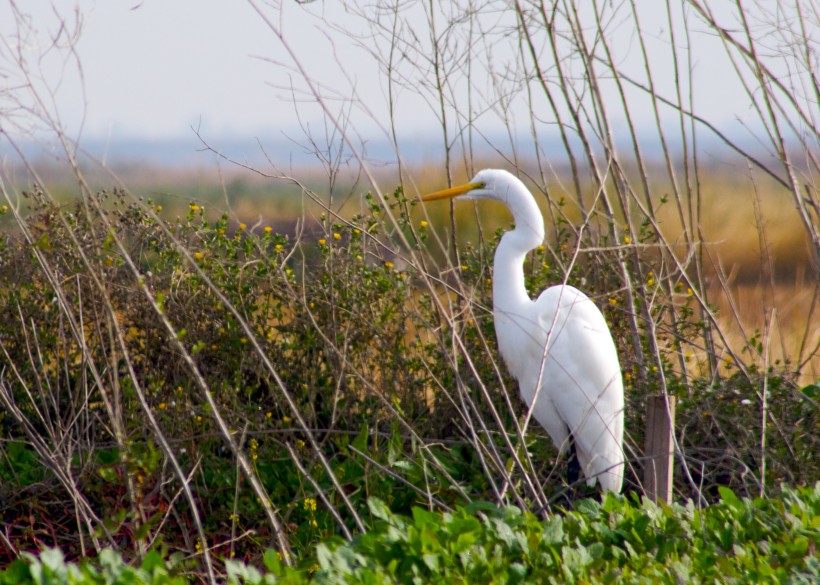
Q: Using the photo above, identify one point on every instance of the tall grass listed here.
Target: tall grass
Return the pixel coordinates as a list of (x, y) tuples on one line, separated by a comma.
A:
[(214, 386)]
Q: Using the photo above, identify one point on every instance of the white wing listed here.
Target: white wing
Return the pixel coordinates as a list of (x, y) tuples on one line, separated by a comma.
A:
[(581, 383)]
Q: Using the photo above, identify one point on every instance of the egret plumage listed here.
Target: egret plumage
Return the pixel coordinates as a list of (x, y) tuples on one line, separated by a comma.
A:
[(558, 347)]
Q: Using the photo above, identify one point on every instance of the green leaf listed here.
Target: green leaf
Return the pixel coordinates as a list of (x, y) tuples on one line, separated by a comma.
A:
[(272, 562), (729, 497), (378, 508)]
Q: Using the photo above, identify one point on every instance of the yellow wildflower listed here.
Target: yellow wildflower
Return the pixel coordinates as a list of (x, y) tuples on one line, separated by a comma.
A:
[(268, 229)]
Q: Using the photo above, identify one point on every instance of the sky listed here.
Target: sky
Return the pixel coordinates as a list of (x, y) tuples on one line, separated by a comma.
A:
[(155, 70)]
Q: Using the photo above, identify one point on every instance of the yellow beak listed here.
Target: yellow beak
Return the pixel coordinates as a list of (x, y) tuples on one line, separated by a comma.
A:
[(452, 191)]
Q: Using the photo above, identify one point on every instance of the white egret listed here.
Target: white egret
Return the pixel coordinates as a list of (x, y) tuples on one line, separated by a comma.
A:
[(558, 347)]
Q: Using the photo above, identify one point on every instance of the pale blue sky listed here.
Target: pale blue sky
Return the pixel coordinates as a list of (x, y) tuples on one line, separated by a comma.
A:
[(153, 69)]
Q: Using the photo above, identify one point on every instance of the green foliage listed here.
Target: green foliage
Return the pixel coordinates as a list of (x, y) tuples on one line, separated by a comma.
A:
[(51, 568), (387, 367), (736, 540)]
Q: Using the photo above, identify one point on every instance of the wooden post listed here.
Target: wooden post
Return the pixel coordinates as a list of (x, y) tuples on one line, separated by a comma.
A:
[(659, 455)]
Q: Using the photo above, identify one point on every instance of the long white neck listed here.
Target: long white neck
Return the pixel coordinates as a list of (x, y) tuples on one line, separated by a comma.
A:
[(509, 292)]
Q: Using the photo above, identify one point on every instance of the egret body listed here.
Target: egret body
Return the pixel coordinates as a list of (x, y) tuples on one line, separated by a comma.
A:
[(558, 347)]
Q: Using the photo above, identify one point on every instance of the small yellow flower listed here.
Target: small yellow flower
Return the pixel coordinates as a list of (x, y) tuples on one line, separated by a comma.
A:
[(489, 281), (300, 443), (159, 208), (690, 292), (541, 248), (650, 281), (242, 227), (268, 229), (268, 414), (627, 239), (358, 257), (613, 302), (278, 247), (243, 340), (310, 505), (286, 419), (198, 255), (179, 389), (194, 207), (627, 376), (654, 368), (198, 418), (337, 236), (563, 247), (423, 223), (162, 406), (464, 267), (322, 242), (388, 264), (357, 231)]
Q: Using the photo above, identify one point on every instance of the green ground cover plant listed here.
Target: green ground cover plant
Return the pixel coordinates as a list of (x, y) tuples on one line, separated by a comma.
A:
[(735, 540)]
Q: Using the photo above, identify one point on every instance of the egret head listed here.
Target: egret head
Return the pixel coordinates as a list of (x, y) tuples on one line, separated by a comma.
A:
[(487, 184), (505, 187)]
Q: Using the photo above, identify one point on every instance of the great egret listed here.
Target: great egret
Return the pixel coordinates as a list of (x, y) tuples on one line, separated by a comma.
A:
[(559, 346)]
